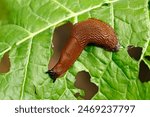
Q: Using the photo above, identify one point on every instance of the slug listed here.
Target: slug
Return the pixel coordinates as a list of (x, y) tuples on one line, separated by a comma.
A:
[(86, 32)]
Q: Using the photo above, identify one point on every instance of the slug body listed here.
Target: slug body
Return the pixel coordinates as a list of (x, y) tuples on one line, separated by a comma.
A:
[(83, 33)]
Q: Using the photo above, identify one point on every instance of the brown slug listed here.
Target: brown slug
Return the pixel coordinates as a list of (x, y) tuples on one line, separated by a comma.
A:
[(90, 31)]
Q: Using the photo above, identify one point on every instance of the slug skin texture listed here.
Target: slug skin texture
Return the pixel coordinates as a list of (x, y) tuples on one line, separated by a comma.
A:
[(91, 31)]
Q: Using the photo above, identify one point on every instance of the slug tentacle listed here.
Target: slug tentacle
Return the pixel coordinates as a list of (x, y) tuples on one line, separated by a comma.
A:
[(52, 74), (89, 31)]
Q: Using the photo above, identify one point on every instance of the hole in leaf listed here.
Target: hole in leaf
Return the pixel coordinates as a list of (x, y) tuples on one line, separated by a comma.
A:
[(147, 57), (134, 52), (144, 72), (60, 37), (83, 82), (5, 64)]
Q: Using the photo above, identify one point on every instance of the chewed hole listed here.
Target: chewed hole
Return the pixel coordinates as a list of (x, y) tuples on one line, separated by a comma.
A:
[(135, 52), (83, 82), (60, 37), (144, 72), (5, 64)]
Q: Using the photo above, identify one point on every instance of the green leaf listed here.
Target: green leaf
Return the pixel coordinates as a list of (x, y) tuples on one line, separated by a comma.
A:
[(28, 39)]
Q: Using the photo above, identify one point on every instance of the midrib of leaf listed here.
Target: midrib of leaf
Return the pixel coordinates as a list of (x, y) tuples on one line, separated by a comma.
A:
[(75, 15), (56, 23), (51, 25), (26, 70)]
